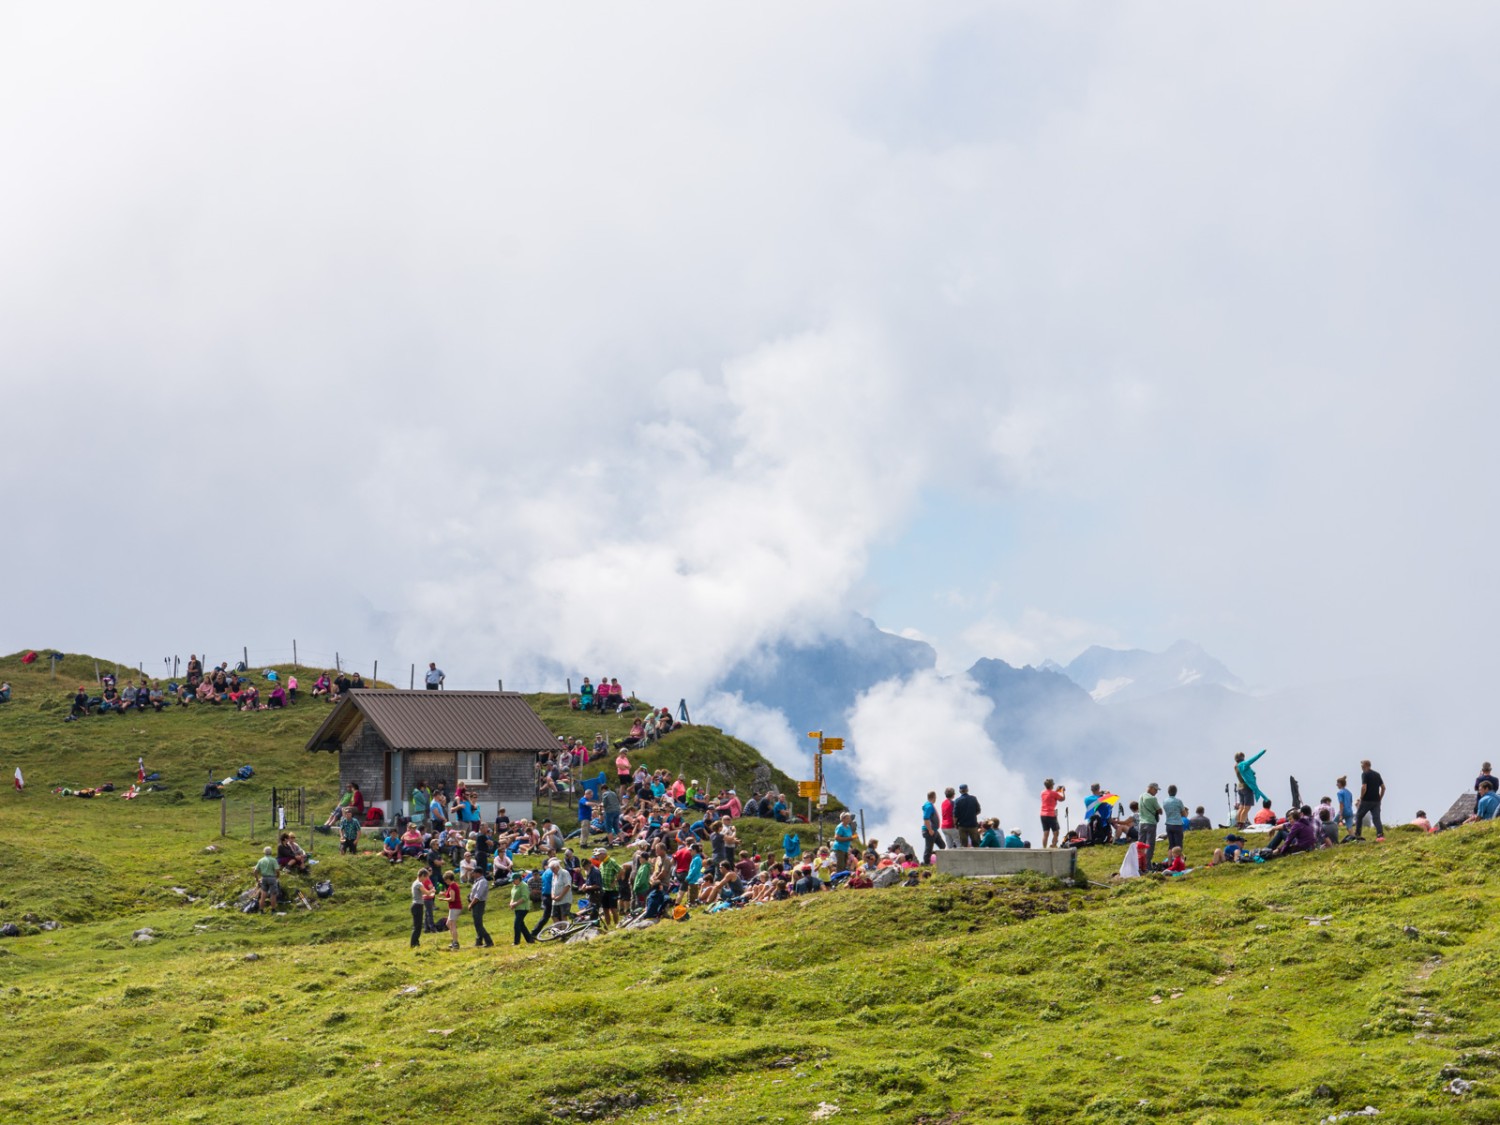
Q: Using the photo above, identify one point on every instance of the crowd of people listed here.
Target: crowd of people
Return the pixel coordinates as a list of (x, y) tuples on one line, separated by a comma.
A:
[(955, 821), (218, 686)]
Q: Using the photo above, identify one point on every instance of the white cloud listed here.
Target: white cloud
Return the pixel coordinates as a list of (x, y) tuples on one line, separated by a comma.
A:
[(925, 733), (762, 727)]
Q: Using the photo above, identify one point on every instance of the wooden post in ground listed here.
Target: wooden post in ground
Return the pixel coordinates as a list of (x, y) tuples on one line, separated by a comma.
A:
[(245, 656), (339, 667), (295, 665), (375, 675), (223, 816)]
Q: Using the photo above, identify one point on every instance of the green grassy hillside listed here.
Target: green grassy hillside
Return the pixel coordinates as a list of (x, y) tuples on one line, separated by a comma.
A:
[(1280, 993)]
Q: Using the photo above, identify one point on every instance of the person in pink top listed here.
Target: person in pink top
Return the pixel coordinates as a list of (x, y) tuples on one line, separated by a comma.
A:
[(622, 767), (945, 818), (1050, 797)]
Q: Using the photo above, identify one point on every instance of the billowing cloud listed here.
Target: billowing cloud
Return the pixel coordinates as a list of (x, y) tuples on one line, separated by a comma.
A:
[(923, 733), (542, 348)]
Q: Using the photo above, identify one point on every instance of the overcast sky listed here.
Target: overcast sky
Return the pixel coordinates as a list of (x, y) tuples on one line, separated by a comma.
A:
[(540, 340)]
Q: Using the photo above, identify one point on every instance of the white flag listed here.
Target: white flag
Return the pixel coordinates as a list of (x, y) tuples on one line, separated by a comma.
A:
[(1130, 866), (20, 781)]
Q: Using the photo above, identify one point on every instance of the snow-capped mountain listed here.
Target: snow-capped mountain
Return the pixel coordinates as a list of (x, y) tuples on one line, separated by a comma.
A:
[(1115, 675)]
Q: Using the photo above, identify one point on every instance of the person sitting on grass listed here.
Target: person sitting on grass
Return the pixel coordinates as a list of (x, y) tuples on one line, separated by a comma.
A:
[(1298, 834), (1176, 865), (322, 686), (1232, 851), (1266, 815), (289, 855), (412, 841), (205, 692), (81, 703), (270, 888), (5, 692), (1488, 805), (250, 698), (111, 701), (390, 846), (277, 698)]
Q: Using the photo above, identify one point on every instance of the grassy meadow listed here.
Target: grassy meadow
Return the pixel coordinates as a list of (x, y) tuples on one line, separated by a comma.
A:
[(1288, 992)]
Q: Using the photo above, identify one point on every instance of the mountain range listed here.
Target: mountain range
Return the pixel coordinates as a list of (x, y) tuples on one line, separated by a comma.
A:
[(1114, 715)]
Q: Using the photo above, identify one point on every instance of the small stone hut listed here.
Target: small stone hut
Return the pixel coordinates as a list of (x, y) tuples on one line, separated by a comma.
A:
[(390, 741)]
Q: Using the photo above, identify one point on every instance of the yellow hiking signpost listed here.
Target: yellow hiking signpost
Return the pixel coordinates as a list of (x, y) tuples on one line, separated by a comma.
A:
[(815, 787)]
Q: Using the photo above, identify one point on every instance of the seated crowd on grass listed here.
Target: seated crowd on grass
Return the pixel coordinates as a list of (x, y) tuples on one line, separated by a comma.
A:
[(220, 686)]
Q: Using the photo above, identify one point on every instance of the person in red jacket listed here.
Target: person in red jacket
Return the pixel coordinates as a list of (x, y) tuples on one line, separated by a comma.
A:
[(455, 897), (945, 818)]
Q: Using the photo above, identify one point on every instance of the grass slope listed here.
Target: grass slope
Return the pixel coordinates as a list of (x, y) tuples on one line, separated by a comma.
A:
[(1210, 999)]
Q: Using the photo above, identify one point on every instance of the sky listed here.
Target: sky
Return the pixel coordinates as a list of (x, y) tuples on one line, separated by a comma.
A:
[(544, 342)]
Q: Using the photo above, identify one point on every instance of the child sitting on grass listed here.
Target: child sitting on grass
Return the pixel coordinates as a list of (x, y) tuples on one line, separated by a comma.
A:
[(1175, 863)]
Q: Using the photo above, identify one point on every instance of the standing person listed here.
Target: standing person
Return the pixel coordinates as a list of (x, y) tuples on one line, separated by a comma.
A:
[(562, 890), (479, 897), (420, 799), (585, 816), (434, 677), (520, 905), (1371, 793), (945, 819), (611, 804), (1244, 772), (932, 829), (843, 839), (1486, 775), (266, 867), (1050, 796), (429, 896), (454, 896), (1174, 816), (1346, 804), (418, 906), (1147, 817), (609, 889), (349, 832), (966, 817)]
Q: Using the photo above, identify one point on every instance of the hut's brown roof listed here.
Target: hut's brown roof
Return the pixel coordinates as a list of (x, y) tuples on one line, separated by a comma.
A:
[(437, 720)]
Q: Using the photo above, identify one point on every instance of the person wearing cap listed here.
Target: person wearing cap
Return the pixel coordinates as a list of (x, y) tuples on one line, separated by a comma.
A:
[(843, 840), (966, 817), (1014, 839), (562, 890), (270, 888), (1148, 815)]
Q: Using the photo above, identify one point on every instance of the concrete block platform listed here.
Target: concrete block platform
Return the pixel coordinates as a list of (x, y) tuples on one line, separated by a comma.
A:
[(1059, 863)]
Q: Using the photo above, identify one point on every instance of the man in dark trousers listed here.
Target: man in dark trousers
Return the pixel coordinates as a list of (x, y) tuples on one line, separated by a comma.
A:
[(479, 897), (1371, 793), (966, 817)]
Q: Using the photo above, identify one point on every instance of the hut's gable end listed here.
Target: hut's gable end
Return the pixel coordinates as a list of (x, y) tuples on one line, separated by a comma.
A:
[(362, 761), (510, 775)]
